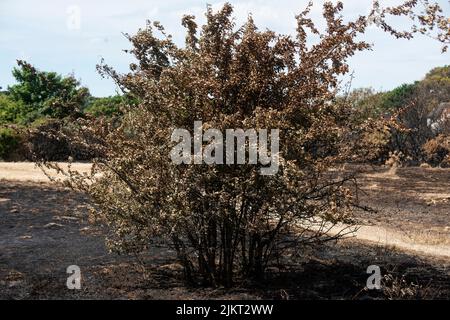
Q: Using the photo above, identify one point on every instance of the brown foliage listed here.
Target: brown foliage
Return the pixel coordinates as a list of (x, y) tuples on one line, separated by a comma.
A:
[(437, 151), (225, 220)]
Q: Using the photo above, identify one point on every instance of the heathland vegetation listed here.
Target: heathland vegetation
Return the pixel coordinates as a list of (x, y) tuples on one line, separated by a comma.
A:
[(41, 102)]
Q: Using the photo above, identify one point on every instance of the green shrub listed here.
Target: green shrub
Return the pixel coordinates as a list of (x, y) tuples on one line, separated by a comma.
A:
[(9, 109), (108, 106), (9, 141), (45, 94), (399, 97)]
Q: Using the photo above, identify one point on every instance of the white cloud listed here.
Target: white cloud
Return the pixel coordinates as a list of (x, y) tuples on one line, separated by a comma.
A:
[(39, 29)]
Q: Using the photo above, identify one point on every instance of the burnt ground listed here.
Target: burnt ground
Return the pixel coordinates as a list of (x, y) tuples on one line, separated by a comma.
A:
[(43, 230), (413, 201)]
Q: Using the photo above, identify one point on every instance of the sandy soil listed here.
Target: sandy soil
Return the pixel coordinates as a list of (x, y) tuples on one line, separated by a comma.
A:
[(28, 171), (387, 237)]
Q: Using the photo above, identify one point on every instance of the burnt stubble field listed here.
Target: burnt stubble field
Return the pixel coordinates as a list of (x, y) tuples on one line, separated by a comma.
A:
[(44, 229)]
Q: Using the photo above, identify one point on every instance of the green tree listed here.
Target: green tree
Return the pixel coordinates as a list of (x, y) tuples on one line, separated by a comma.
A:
[(399, 97), (10, 110), (439, 74), (46, 94), (366, 103), (9, 140), (107, 106)]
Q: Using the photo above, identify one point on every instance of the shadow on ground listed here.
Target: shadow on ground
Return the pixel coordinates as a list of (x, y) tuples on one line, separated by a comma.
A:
[(43, 231)]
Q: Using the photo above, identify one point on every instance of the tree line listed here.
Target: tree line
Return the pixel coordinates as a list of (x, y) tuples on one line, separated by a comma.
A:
[(41, 100)]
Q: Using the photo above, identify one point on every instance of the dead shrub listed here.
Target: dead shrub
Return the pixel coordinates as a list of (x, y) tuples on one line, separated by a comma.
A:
[(437, 151), (229, 220)]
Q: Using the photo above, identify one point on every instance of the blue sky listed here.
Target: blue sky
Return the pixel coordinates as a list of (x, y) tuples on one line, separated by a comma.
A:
[(71, 36)]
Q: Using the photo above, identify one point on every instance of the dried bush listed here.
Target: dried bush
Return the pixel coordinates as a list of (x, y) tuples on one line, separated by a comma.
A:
[(395, 287), (51, 141), (8, 142), (437, 151), (228, 220)]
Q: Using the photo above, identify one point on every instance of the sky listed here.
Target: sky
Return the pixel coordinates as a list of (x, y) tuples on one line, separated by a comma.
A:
[(72, 36)]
